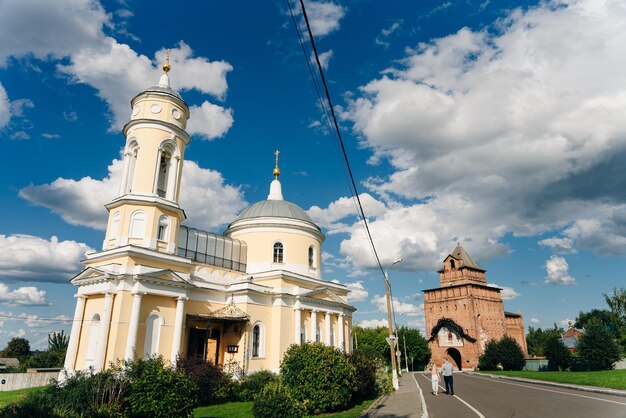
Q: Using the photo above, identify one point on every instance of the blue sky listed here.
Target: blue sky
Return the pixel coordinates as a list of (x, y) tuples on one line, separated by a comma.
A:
[(498, 125)]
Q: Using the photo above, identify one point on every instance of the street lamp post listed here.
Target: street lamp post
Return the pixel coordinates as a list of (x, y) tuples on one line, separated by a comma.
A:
[(392, 338)]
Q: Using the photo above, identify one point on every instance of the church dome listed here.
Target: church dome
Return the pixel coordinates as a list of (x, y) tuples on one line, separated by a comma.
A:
[(274, 209)]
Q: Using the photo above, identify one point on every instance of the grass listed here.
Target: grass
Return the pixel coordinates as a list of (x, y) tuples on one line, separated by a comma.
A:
[(15, 395), (614, 379), (244, 410)]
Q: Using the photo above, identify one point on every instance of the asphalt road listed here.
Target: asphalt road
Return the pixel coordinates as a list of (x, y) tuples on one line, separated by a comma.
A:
[(482, 396)]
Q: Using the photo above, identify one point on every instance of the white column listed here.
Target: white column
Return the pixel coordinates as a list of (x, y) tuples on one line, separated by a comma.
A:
[(313, 325), (298, 328), (342, 340), (105, 322), (77, 324), (127, 161), (178, 328), (131, 342), (327, 329), (172, 177)]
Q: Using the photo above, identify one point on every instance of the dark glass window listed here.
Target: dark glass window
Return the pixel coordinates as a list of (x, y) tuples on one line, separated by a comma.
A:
[(278, 252)]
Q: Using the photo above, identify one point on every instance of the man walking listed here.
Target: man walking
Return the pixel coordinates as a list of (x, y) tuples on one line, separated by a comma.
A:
[(446, 370)]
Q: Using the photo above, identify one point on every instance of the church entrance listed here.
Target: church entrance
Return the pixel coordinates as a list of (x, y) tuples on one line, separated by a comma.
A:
[(456, 357), (203, 344)]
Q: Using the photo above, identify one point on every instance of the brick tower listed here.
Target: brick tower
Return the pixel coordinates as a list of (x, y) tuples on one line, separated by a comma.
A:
[(464, 313)]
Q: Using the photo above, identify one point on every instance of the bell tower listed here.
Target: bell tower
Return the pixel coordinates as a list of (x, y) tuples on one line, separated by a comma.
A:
[(146, 212)]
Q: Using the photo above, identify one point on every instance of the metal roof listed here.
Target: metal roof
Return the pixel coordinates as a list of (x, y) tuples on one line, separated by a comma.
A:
[(459, 253), (275, 209)]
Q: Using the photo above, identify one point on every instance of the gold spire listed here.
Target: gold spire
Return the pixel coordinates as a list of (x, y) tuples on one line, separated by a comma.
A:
[(166, 66), (276, 169)]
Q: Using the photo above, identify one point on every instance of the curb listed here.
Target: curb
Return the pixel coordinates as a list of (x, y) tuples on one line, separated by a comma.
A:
[(593, 389), (380, 399)]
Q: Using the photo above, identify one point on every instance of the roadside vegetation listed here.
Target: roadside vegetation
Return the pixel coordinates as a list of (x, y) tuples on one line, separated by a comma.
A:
[(314, 379), (614, 379)]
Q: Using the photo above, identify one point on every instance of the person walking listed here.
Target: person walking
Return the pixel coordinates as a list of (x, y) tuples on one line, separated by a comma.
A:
[(434, 377), (446, 370)]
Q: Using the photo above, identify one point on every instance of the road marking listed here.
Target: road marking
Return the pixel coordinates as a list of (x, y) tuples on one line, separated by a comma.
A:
[(545, 390), (424, 409), (466, 404)]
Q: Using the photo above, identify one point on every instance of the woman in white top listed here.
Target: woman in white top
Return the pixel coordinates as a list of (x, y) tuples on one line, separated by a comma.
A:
[(434, 377)]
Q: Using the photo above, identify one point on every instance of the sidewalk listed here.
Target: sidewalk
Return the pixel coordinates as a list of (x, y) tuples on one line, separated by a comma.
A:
[(406, 402)]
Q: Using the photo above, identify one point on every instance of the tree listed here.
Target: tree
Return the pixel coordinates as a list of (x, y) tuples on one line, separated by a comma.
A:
[(58, 341), (557, 353), (18, 347), (491, 356), (536, 339), (373, 340), (416, 347), (617, 305), (511, 354), (597, 347)]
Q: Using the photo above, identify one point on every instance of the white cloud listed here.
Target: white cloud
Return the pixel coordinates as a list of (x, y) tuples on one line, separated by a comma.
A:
[(324, 58), (558, 271), (35, 321), (565, 323), (357, 292), (400, 308), (28, 296), (385, 33), (342, 208), (81, 202), (559, 245), (507, 293), (5, 107), (209, 121), (323, 17), (68, 26), (29, 258), (373, 323), (535, 320), (486, 130), (74, 29)]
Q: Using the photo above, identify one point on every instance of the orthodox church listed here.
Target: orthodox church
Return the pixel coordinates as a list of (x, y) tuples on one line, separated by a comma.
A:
[(464, 313), (159, 287)]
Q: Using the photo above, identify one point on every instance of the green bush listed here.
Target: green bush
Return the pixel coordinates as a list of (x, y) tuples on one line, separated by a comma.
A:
[(559, 357), (157, 390), (275, 401), (252, 384), (318, 376), (491, 357), (506, 354), (511, 354), (597, 347), (371, 379), (213, 384)]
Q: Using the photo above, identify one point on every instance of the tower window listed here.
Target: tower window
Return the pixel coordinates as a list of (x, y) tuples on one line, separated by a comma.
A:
[(131, 163), (278, 252), (311, 256), (164, 168), (451, 264), (163, 229)]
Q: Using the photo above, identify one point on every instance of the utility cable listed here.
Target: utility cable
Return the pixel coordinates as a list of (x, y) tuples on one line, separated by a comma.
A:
[(336, 126)]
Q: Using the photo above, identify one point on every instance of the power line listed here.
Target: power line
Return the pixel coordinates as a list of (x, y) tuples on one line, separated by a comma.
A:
[(336, 126)]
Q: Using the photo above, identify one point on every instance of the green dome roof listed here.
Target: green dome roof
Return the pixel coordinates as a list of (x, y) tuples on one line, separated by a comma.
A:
[(274, 209)]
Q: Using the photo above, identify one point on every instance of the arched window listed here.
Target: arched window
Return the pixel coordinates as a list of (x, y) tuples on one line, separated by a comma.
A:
[(451, 264), (258, 340), (137, 225), (164, 168), (163, 231), (92, 345), (114, 232), (278, 252), (311, 256), (131, 163), (153, 332)]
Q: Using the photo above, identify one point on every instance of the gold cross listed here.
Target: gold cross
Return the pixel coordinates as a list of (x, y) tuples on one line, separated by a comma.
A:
[(276, 154)]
